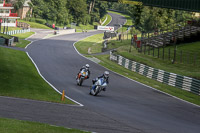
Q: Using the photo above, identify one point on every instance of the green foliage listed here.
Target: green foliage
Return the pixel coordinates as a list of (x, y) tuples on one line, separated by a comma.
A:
[(41, 21), (78, 9), (18, 4), (149, 19), (64, 12), (32, 19)]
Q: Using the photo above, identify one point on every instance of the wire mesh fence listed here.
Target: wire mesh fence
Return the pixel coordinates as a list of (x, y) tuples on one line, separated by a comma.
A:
[(171, 54)]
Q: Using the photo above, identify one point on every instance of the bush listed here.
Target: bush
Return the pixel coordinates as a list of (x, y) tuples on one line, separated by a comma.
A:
[(50, 22), (32, 19), (41, 21)]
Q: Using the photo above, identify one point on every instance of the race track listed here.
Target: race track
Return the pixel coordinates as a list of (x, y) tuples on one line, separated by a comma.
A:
[(126, 106)]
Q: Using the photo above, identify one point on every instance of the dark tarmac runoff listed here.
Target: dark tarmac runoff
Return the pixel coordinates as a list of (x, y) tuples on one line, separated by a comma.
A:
[(125, 107)]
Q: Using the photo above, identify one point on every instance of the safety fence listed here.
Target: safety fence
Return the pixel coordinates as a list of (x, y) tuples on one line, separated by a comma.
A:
[(172, 54), (182, 82), (16, 32)]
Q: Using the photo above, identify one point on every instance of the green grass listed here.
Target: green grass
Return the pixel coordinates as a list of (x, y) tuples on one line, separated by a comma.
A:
[(183, 68), (22, 42), (35, 25), (104, 17), (178, 68), (93, 42), (87, 27), (10, 28), (19, 78), (24, 35), (109, 18), (5, 36), (18, 126)]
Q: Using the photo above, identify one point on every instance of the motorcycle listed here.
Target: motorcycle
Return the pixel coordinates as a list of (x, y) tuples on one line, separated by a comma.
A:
[(99, 85), (82, 76)]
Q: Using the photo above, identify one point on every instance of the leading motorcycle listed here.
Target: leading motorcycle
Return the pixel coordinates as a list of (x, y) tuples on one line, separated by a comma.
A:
[(98, 86)]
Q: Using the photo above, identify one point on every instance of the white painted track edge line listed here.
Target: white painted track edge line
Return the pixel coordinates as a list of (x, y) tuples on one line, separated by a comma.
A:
[(50, 83), (47, 102), (28, 40), (110, 20), (137, 81)]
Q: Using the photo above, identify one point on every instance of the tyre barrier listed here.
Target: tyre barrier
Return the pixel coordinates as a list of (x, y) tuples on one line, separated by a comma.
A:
[(172, 79)]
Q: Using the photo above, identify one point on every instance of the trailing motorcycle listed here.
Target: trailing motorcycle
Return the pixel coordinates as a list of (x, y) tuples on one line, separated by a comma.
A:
[(98, 86), (82, 76)]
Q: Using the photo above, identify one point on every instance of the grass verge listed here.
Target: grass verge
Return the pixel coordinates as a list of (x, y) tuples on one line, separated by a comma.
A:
[(5, 36), (18, 126), (35, 25), (92, 44), (159, 63), (22, 42), (19, 78), (10, 28), (109, 18)]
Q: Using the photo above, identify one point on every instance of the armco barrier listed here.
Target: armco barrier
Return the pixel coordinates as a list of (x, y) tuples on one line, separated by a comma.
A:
[(172, 79)]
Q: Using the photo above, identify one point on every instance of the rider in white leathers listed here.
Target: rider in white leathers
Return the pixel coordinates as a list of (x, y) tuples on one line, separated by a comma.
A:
[(87, 66), (105, 76)]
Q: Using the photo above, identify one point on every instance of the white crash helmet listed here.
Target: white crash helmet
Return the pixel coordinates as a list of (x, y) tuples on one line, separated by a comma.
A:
[(106, 74), (87, 66)]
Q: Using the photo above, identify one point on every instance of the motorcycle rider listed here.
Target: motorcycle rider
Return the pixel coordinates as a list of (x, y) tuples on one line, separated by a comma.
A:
[(105, 76), (86, 67)]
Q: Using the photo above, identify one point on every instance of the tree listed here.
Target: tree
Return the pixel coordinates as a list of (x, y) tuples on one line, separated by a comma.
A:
[(18, 4), (78, 9)]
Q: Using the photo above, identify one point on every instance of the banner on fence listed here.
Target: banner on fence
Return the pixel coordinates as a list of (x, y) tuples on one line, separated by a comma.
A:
[(105, 28)]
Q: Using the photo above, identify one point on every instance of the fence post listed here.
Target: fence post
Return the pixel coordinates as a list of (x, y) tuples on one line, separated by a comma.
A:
[(174, 60), (153, 51), (149, 50), (144, 49), (188, 58), (163, 57), (181, 56), (158, 52), (195, 58), (141, 46), (169, 54)]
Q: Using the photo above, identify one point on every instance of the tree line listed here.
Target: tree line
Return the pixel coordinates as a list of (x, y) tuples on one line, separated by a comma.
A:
[(149, 19), (63, 12)]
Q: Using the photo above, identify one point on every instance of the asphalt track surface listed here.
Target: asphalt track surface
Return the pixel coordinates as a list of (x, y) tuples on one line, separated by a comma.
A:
[(126, 106)]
